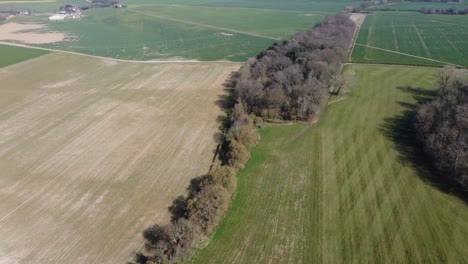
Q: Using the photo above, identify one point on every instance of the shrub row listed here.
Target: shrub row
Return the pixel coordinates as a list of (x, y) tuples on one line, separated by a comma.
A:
[(195, 216)]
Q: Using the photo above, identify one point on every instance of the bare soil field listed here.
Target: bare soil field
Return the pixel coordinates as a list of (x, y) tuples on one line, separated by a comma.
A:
[(13, 31), (94, 151)]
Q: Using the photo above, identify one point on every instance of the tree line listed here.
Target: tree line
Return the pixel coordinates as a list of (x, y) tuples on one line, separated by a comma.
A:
[(444, 11), (196, 215), (292, 79), (289, 80), (440, 11), (442, 126)]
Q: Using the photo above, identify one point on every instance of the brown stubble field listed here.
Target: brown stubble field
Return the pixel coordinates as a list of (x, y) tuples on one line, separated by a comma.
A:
[(93, 151)]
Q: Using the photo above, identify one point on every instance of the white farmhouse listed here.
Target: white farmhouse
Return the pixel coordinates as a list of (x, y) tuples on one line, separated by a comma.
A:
[(57, 17)]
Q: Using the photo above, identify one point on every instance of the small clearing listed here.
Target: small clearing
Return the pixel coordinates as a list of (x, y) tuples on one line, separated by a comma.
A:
[(16, 32)]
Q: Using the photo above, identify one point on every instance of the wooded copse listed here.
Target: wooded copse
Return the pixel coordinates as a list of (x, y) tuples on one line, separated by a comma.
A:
[(442, 126), (292, 79)]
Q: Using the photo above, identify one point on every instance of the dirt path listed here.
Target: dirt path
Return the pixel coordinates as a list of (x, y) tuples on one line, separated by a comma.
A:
[(358, 19), (113, 59), (406, 54), (203, 25)]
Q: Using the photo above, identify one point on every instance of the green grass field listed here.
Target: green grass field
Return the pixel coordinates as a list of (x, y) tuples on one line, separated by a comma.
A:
[(271, 23), (11, 55), (441, 38), (296, 5), (419, 5), (344, 190), (201, 29), (163, 32), (126, 34)]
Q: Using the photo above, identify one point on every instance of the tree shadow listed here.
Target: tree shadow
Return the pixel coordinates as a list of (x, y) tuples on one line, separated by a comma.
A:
[(400, 129), (226, 103), (226, 100)]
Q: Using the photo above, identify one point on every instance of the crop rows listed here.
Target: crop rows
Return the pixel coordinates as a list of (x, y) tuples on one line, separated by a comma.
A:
[(425, 36)]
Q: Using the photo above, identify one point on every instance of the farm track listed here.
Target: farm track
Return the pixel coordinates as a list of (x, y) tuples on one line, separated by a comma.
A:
[(112, 59), (202, 25), (95, 150)]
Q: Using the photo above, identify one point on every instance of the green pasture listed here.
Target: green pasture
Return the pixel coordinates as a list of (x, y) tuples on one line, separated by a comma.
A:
[(190, 32), (125, 34), (10, 55), (419, 5), (349, 189), (298, 5), (438, 37), (295, 5), (271, 23), (181, 29)]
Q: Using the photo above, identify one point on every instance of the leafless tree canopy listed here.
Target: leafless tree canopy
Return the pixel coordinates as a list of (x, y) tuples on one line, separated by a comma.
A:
[(291, 79), (442, 126)]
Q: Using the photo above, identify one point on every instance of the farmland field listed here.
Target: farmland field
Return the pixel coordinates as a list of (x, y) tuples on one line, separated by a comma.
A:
[(11, 55), (93, 151), (164, 32), (439, 39), (296, 5), (201, 30), (125, 34), (345, 190), (270, 23), (418, 5)]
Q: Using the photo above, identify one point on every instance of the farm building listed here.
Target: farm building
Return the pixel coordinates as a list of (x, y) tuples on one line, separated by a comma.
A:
[(57, 17)]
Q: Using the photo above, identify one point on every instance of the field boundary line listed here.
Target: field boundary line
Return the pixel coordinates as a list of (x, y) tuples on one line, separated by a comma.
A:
[(406, 54), (114, 59), (203, 25)]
